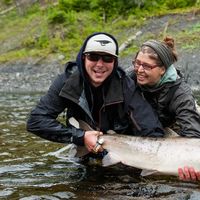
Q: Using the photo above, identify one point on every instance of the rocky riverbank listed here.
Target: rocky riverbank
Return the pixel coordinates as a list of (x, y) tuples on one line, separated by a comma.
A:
[(36, 75), (28, 76)]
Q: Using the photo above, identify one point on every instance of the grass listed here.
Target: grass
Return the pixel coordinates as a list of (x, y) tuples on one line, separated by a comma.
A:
[(33, 36)]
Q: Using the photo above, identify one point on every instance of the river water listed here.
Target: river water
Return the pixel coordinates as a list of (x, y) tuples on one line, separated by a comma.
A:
[(31, 168)]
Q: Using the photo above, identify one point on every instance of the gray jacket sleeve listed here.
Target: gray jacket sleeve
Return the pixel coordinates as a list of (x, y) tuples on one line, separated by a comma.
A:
[(187, 117)]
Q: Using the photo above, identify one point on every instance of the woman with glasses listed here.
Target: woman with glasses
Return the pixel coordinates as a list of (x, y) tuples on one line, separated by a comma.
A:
[(93, 89), (165, 89)]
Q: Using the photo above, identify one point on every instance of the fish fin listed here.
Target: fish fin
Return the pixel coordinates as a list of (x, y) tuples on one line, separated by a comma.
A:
[(81, 151), (72, 151), (83, 125), (74, 122), (170, 133), (78, 151), (146, 172), (63, 151), (110, 159), (69, 150), (111, 132)]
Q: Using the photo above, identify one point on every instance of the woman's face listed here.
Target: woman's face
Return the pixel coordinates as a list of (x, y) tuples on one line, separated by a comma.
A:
[(147, 71)]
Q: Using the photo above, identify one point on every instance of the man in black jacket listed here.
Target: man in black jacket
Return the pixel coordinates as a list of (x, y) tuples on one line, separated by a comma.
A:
[(93, 89)]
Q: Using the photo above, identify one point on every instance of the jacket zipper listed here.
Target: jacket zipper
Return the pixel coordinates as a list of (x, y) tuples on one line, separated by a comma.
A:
[(103, 110)]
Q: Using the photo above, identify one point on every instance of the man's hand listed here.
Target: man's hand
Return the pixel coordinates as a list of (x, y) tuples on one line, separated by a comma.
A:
[(188, 174), (90, 140)]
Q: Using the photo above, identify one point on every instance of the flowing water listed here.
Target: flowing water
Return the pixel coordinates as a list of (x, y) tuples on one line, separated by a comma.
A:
[(30, 168)]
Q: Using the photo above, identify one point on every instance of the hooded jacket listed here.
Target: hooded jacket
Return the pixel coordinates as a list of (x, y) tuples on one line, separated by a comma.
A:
[(175, 105), (122, 107)]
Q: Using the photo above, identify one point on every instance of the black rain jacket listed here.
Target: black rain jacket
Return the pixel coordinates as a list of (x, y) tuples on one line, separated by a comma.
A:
[(124, 110), (175, 105)]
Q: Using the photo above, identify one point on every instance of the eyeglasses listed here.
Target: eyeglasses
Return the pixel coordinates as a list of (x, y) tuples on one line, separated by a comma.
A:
[(96, 57), (145, 66)]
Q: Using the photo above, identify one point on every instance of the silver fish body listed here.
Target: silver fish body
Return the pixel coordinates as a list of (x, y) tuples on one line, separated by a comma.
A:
[(154, 155)]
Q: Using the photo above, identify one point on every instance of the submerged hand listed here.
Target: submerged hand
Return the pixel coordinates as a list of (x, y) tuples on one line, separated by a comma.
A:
[(90, 139), (188, 174)]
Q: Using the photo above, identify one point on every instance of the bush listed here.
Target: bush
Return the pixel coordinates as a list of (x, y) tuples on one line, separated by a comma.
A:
[(76, 5), (8, 2), (171, 4), (57, 17)]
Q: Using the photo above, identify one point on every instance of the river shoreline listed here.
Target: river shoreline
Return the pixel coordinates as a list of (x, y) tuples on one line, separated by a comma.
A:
[(36, 75), (24, 77)]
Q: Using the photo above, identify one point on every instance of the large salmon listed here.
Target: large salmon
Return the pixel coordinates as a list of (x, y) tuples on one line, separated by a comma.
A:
[(153, 155)]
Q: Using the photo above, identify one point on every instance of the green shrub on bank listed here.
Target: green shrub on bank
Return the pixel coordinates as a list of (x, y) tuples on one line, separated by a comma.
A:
[(61, 28), (57, 17), (8, 2), (171, 4)]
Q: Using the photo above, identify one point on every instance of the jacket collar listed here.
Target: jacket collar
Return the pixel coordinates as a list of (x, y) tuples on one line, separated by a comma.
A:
[(73, 89)]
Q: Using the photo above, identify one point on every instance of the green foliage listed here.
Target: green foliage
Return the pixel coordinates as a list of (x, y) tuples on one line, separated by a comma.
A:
[(105, 8), (57, 16), (40, 42), (43, 41), (7, 2), (29, 42), (32, 9), (62, 28), (190, 37), (171, 4), (76, 5)]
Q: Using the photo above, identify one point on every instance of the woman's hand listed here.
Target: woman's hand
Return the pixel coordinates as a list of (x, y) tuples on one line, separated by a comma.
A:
[(90, 140), (188, 174)]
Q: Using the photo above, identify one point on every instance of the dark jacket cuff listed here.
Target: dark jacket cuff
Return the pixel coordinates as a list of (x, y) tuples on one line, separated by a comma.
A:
[(78, 138)]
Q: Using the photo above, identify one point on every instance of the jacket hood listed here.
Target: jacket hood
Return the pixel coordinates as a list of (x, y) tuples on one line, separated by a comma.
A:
[(80, 61), (169, 76)]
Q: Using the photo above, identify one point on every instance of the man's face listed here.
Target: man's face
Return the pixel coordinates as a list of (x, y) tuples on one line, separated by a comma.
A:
[(98, 67)]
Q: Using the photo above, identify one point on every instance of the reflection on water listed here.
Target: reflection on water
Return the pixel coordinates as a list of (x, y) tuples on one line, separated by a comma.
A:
[(30, 169), (24, 160)]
